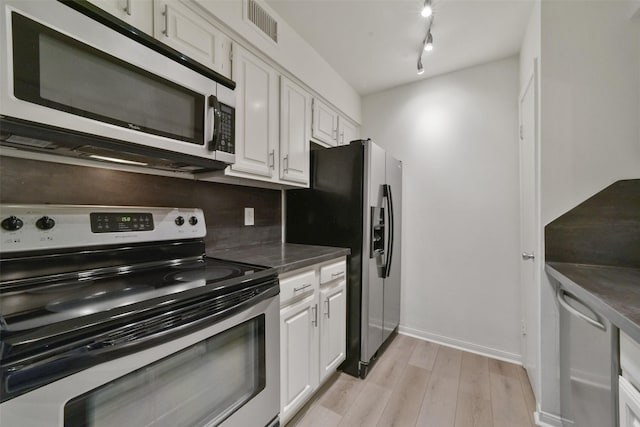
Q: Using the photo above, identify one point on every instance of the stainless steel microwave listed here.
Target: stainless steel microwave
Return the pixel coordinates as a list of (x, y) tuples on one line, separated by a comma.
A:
[(78, 82)]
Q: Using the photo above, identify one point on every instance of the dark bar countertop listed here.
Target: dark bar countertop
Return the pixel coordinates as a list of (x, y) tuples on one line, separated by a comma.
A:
[(593, 250), (281, 256), (614, 292)]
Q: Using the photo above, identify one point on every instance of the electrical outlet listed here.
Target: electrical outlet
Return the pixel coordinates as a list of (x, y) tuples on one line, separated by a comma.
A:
[(248, 216)]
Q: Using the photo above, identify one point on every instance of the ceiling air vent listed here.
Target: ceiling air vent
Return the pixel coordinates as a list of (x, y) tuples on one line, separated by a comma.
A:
[(261, 19)]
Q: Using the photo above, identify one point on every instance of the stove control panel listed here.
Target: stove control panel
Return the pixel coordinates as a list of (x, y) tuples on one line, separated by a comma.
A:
[(36, 227)]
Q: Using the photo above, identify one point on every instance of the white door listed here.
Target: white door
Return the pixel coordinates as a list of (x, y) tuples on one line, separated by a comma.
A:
[(295, 123), (181, 28), (298, 355), (346, 131), (333, 340), (137, 13), (529, 236), (325, 123), (256, 114)]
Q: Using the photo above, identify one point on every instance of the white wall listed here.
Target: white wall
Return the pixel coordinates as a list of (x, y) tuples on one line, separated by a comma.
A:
[(590, 79), (292, 53), (457, 137)]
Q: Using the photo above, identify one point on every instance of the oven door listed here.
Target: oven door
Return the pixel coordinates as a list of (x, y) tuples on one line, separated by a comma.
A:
[(64, 70), (226, 374)]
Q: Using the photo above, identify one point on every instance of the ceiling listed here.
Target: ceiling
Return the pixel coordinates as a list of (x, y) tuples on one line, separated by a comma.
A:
[(374, 44)]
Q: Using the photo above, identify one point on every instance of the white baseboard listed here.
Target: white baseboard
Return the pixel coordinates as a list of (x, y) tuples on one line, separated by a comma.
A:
[(462, 345), (544, 419)]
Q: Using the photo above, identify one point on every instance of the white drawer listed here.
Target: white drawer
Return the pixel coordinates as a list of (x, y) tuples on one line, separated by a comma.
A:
[(336, 270), (297, 285)]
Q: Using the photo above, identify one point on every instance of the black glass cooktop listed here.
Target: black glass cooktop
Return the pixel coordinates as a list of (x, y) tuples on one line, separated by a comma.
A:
[(55, 301)]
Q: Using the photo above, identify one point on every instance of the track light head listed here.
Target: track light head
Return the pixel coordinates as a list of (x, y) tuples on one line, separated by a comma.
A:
[(420, 67), (427, 11), (428, 46)]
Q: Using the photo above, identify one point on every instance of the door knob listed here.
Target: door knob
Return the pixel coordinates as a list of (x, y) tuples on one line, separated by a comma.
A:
[(527, 256)]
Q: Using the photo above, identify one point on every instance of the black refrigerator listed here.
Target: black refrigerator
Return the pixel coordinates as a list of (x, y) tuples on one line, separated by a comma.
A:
[(355, 201)]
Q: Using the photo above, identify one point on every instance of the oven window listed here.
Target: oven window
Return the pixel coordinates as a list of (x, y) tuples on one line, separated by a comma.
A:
[(57, 71), (199, 385)]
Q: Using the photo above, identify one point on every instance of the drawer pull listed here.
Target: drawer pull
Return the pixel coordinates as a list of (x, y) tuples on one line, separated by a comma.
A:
[(308, 285), (340, 274)]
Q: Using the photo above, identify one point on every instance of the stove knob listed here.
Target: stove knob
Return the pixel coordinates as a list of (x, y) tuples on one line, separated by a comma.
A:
[(193, 220), (12, 223), (45, 223), (179, 221)]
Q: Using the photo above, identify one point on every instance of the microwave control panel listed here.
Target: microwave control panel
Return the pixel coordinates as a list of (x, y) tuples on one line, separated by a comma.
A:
[(227, 129)]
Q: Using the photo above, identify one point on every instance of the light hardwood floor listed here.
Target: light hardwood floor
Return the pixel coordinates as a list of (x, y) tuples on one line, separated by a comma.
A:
[(417, 383)]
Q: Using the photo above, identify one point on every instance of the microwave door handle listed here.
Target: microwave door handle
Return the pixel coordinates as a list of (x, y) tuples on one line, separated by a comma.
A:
[(215, 133)]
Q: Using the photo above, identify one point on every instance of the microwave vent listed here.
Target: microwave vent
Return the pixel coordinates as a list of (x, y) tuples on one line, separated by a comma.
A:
[(262, 20)]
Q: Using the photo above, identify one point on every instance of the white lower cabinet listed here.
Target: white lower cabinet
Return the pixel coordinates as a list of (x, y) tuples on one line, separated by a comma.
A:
[(312, 331), (333, 327), (298, 354), (629, 382), (629, 404)]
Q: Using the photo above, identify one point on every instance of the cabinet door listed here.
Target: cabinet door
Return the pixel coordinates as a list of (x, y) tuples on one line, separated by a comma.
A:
[(256, 114), (325, 123), (629, 402), (298, 355), (137, 13), (295, 122), (181, 28), (333, 341), (346, 131)]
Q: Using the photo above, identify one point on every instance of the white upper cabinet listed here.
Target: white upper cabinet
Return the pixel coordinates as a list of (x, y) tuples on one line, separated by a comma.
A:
[(325, 123), (184, 30), (329, 127), (256, 114), (295, 125), (347, 132), (137, 13)]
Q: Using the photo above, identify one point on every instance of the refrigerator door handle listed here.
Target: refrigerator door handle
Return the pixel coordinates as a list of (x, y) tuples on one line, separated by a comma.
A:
[(386, 188)]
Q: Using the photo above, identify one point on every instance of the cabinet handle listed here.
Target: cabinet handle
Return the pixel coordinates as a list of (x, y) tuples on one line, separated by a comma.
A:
[(328, 313), (272, 158), (342, 138), (127, 7), (308, 285), (285, 163), (336, 275), (165, 13), (314, 322), (334, 131)]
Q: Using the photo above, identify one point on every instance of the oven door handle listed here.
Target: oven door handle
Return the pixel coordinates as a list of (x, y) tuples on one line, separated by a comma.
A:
[(34, 371)]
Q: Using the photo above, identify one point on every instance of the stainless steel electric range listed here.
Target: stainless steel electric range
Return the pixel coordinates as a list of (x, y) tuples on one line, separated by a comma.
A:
[(114, 316)]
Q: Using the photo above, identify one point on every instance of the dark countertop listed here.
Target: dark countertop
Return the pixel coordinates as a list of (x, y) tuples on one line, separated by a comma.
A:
[(281, 256), (614, 292)]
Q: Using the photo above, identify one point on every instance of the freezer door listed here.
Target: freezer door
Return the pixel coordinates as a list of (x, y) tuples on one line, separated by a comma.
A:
[(393, 208), (373, 282)]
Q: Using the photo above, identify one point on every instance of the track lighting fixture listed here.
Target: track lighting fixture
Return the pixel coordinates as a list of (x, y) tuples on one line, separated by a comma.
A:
[(427, 42), (427, 11), (428, 46)]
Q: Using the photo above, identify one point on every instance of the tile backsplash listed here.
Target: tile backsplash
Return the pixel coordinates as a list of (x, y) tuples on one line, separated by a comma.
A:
[(38, 182)]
